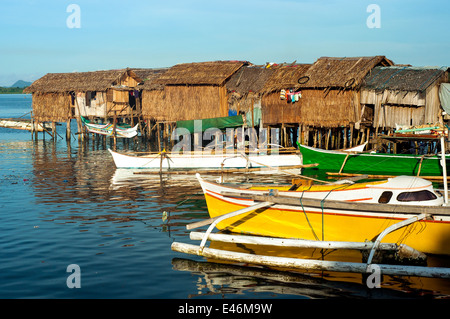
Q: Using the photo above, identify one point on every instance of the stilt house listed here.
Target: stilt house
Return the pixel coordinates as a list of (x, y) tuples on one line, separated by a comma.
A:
[(245, 89), (59, 97), (280, 103), (402, 96), (330, 100), (189, 91)]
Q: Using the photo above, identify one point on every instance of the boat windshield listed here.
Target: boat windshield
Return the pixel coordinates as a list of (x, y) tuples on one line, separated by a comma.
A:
[(416, 196)]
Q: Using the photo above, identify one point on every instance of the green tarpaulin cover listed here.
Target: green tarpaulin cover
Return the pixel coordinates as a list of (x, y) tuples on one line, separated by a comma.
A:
[(217, 122), (444, 96)]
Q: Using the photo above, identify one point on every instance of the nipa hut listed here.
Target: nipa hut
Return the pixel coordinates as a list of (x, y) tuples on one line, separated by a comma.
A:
[(186, 92), (245, 90), (189, 91), (330, 100), (280, 103), (60, 97), (402, 96)]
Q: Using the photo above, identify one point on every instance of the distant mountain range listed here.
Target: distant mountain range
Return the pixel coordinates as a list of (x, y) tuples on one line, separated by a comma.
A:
[(21, 84)]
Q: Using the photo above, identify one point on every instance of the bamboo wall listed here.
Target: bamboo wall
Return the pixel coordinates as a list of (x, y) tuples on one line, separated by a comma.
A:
[(178, 103), (128, 81), (433, 112), (51, 107), (276, 111), (315, 108), (403, 108), (333, 108)]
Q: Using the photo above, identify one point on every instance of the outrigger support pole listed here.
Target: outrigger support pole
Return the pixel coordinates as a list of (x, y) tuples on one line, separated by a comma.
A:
[(390, 229), (444, 170), (232, 214)]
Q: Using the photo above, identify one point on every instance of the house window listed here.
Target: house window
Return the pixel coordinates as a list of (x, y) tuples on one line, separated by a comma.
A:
[(385, 198)]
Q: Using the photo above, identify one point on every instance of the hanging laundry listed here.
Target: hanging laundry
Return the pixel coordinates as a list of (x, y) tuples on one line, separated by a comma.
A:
[(283, 94)]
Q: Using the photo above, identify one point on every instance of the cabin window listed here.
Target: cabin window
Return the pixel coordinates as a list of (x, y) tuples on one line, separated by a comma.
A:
[(385, 198), (416, 196)]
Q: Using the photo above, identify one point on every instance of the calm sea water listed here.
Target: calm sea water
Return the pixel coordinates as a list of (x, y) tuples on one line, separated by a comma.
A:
[(63, 204)]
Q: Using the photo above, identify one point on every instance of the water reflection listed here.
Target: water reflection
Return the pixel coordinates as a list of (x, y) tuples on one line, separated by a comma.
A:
[(80, 186), (227, 279), (222, 277)]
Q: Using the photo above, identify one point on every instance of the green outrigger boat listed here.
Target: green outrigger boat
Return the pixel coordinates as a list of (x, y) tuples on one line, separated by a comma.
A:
[(373, 163)]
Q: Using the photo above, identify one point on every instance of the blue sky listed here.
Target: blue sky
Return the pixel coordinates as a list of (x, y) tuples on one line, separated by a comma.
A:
[(36, 40)]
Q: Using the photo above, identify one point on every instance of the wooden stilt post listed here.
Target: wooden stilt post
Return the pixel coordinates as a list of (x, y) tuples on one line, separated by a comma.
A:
[(345, 138), (114, 130), (68, 130), (53, 131), (327, 143), (158, 133), (351, 136)]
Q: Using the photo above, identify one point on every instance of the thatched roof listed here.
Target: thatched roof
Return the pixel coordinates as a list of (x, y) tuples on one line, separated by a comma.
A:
[(329, 72), (402, 78), (285, 77), (249, 79), (201, 73), (149, 74), (79, 81)]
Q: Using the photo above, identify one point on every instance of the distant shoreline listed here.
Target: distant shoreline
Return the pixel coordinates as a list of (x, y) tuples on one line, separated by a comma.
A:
[(13, 90)]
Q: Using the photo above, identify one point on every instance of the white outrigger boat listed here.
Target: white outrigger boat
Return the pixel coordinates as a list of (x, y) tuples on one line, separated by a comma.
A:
[(205, 161), (109, 129)]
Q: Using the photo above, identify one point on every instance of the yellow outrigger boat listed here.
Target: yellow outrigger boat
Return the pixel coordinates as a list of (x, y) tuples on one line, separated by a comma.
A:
[(402, 210)]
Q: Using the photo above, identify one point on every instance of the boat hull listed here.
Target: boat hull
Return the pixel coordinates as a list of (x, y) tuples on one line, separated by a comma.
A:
[(429, 236), (109, 129), (376, 163), (181, 161)]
